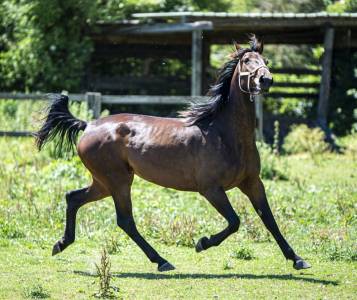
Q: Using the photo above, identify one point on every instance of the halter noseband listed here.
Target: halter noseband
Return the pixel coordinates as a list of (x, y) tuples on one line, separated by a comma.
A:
[(249, 74)]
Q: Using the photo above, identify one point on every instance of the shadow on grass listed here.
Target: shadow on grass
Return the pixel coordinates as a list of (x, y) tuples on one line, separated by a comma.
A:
[(155, 276)]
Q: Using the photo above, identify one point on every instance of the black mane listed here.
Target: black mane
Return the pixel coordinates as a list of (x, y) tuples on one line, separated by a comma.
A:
[(219, 93)]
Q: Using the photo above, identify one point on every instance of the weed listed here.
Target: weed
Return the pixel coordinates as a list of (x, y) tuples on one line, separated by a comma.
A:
[(243, 253), (10, 230), (112, 245), (103, 272), (36, 292), (228, 265), (336, 251), (182, 231), (334, 245), (255, 230)]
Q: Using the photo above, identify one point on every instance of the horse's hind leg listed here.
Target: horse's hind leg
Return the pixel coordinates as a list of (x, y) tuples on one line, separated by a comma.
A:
[(218, 198), (75, 199), (125, 220)]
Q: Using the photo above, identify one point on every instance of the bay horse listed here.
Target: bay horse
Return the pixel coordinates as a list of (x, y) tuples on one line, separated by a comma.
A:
[(210, 148)]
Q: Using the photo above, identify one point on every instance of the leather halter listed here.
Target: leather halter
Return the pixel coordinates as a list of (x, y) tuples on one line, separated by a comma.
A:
[(249, 74)]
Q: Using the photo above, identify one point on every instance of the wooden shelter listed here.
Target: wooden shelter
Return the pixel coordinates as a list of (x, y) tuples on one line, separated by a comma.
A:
[(188, 36)]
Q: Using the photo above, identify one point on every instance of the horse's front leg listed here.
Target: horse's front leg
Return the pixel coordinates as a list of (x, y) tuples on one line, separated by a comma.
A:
[(255, 191), (219, 200)]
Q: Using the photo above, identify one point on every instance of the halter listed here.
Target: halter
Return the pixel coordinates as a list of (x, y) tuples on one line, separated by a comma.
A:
[(249, 74)]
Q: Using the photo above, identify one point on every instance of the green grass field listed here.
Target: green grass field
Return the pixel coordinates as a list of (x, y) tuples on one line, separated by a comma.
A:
[(315, 208), (314, 203)]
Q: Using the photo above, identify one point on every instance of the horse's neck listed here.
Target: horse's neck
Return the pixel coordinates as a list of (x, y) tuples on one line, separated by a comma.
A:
[(239, 114)]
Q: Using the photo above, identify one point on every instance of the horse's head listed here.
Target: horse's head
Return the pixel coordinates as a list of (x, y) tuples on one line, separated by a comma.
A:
[(254, 76)]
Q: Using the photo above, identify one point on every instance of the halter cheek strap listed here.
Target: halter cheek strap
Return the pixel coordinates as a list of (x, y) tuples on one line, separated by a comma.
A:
[(249, 74)]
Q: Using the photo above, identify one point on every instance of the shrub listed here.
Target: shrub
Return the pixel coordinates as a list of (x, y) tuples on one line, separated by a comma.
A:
[(270, 163), (303, 139)]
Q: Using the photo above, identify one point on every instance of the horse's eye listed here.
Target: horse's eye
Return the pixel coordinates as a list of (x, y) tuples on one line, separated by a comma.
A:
[(246, 60)]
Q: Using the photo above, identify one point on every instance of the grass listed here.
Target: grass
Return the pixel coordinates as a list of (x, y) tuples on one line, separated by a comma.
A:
[(198, 276), (315, 209), (315, 206)]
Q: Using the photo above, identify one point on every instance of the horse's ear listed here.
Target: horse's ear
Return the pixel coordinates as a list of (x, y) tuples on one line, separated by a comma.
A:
[(236, 46), (255, 44)]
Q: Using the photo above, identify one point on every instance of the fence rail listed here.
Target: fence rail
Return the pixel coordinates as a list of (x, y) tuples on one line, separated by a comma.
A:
[(110, 99), (95, 101)]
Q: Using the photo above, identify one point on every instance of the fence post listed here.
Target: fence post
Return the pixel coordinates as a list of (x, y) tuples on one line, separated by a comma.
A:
[(94, 101), (196, 57), (259, 117)]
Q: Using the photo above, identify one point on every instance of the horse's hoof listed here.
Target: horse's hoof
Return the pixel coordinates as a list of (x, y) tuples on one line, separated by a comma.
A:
[(300, 264), (166, 267), (200, 246), (56, 249)]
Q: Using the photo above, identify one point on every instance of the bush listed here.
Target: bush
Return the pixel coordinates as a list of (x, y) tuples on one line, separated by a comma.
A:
[(271, 164), (303, 139), (43, 44)]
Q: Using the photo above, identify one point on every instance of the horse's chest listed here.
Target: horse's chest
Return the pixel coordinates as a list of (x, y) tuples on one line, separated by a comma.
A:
[(239, 165)]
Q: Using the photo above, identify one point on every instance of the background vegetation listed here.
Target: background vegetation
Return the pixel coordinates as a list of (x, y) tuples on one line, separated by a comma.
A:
[(44, 46)]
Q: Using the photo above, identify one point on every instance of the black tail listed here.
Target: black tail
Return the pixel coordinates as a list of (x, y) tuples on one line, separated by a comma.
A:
[(59, 122)]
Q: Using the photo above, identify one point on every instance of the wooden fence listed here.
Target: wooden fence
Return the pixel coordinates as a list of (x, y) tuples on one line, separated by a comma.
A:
[(96, 100)]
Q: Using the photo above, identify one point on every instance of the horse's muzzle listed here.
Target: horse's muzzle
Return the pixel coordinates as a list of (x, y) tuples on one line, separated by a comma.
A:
[(265, 82)]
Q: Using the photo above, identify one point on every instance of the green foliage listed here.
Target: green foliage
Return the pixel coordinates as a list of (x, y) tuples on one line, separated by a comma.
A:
[(112, 245), (342, 6), (335, 245), (289, 6), (271, 165), (183, 230), (36, 292), (120, 9), (43, 44), (244, 253), (10, 230), (304, 139)]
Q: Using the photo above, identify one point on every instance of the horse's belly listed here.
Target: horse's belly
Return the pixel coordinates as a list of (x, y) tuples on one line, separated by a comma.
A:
[(165, 167)]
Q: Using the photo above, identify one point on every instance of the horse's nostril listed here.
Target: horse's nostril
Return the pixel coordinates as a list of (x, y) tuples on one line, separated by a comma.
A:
[(266, 81)]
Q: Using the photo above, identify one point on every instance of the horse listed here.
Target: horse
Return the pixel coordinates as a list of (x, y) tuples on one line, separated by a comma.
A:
[(209, 148)]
